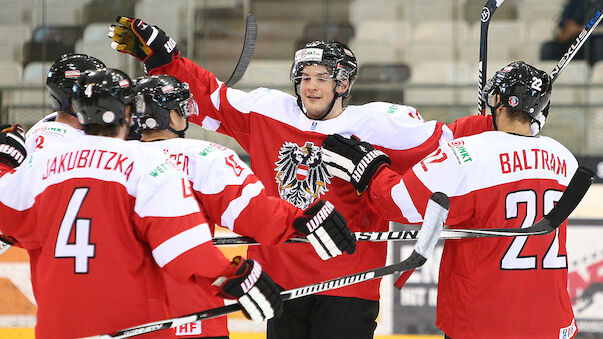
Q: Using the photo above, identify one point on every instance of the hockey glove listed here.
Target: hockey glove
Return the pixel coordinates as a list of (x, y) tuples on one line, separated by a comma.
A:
[(12, 145), (148, 44), (326, 229), (352, 160), (256, 292)]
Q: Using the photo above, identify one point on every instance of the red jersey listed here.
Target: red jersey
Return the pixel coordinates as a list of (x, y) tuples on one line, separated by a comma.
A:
[(284, 146), (492, 287), (99, 218), (231, 196)]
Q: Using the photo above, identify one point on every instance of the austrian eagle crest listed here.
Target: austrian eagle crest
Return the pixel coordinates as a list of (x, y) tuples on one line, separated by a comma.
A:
[(300, 174)]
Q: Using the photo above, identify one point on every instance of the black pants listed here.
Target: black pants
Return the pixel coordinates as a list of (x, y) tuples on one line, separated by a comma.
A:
[(325, 317)]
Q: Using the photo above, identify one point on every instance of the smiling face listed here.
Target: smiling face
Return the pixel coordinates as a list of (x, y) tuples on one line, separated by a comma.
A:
[(316, 92)]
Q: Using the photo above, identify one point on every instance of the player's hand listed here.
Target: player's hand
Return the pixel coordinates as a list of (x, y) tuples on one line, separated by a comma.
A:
[(326, 229), (253, 288), (352, 160), (147, 43), (12, 145)]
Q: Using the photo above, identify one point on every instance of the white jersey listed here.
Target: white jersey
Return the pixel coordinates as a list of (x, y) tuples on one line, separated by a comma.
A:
[(47, 132)]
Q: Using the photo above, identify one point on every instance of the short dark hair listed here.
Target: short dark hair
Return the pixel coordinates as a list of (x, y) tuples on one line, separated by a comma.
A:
[(102, 129), (518, 115)]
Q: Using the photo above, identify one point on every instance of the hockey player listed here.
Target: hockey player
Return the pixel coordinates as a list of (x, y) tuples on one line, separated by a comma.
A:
[(62, 125), (101, 218), (488, 287), (282, 135), (230, 194)]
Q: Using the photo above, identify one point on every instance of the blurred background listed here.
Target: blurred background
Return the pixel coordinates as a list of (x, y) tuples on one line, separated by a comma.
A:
[(422, 53)]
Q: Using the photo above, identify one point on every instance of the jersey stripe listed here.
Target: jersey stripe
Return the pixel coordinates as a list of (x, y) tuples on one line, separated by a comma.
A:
[(180, 243), (210, 123), (236, 206), (402, 198)]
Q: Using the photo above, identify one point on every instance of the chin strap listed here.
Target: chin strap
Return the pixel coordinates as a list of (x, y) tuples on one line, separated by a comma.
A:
[(179, 133), (492, 111), (327, 111)]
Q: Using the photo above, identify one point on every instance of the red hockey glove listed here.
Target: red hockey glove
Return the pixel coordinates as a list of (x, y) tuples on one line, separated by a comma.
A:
[(352, 160), (12, 145), (147, 43), (253, 288), (326, 229)]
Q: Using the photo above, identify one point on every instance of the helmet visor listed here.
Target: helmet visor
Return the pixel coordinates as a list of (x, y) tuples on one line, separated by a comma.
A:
[(189, 106), (490, 94)]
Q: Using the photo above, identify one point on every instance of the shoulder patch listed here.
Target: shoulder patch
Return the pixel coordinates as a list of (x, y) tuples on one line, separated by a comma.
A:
[(462, 154), (392, 109), (211, 148)]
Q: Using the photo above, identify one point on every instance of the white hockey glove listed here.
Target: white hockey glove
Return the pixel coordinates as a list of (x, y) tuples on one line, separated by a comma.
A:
[(327, 230), (352, 160), (253, 288)]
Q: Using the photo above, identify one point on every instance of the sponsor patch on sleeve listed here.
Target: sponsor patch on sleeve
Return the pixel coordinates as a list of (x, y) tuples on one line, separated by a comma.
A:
[(461, 152)]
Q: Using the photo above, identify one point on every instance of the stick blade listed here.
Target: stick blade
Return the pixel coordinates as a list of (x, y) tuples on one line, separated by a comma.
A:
[(433, 223), (251, 33), (571, 197)]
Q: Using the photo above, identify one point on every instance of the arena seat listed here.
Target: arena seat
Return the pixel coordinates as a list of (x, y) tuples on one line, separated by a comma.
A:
[(12, 72)]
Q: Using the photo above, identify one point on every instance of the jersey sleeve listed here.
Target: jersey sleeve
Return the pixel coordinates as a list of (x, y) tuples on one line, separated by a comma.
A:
[(403, 198), (212, 95), (470, 125), (235, 198), (16, 218), (168, 217), (401, 132)]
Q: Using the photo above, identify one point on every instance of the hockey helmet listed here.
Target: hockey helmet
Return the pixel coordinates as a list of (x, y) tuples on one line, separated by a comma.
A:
[(156, 96), (521, 87), (101, 96), (62, 76), (339, 59)]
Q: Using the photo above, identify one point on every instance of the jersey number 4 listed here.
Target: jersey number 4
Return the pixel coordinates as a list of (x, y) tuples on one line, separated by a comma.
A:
[(512, 259), (81, 249)]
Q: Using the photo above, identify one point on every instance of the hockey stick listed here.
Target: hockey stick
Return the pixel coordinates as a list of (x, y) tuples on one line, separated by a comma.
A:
[(251, 33), (487, 12), (5, 244), (575, 47), (570, 199), (435, 214)]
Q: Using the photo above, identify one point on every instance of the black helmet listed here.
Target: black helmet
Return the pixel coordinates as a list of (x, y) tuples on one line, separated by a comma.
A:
[(62, 76), (340, 62), (338, 58), (521, 87), (101, 96), (156, 96)]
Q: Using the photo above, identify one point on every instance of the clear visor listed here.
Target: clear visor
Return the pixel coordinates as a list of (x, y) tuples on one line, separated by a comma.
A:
[(189, 106), (490, 94), (306, 78)]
